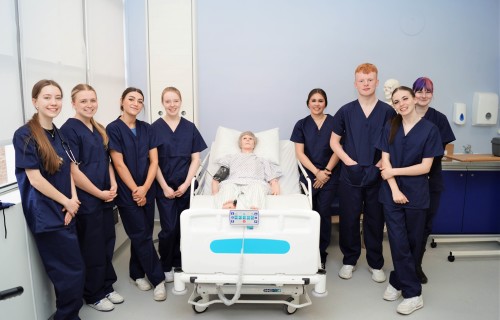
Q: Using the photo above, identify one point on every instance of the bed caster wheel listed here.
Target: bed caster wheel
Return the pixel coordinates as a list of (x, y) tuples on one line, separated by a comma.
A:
[(433, 244), (451, 257), (198, 309), (289, 309)]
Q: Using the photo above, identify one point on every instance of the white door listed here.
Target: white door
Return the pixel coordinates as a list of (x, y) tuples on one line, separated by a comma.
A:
[(171, 54)]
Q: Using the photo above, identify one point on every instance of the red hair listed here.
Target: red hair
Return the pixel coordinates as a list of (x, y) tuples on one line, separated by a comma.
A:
[(366, 68)]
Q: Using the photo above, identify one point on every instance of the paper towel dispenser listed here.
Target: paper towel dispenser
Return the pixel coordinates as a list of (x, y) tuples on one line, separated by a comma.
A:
[(484, 109)]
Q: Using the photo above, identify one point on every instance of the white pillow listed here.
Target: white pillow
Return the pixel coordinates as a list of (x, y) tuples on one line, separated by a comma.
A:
[(226, 142), (289, 181)]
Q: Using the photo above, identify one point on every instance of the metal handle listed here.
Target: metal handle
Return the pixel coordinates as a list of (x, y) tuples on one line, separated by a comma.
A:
[(11, 293)]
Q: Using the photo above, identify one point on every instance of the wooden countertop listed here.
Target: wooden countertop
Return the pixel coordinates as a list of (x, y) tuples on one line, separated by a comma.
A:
[(468, 157)]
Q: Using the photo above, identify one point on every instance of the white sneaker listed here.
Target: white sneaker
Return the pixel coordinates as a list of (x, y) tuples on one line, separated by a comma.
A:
[(142, 284), (103, 305), (391, 293), (160, 293), (378, 275), (346, 271), (411, 304), (115, 297), (169, 276)]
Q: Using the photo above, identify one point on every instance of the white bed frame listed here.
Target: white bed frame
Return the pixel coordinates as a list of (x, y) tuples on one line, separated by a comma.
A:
[(281, 274)]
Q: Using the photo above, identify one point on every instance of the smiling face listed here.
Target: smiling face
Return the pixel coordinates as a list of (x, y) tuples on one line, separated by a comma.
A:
[(85, 104), (316, 104), (172, 103), (403, 101), (48, 102), (132, 103), (424, 97)]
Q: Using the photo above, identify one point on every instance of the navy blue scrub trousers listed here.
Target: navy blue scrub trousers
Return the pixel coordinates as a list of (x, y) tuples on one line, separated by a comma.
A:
[(352, 202), (169, 236), (405, 228), (138, 223), (60, 254)]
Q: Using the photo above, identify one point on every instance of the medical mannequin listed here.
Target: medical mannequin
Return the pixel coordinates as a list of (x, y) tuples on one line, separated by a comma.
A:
[(389, 86), (250, 178)]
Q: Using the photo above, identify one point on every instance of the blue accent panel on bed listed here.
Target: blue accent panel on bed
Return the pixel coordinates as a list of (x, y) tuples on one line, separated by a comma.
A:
[(252, 246)]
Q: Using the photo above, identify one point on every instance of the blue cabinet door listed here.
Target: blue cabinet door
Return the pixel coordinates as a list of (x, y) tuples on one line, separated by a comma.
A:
[(482, 203), (448, 219)]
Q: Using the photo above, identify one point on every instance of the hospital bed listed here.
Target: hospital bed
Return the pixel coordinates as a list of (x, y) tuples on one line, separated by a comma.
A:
[(267, 256)]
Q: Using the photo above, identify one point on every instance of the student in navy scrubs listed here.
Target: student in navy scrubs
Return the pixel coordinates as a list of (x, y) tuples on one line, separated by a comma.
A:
[(132, 145), (424, 92), (356, 128), (49, 198), (312, 147), (179, 159), (409, 144), (96, 186)]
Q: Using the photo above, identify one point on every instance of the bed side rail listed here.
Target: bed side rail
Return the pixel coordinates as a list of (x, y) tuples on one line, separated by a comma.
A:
[(200, 176), (307, 189)]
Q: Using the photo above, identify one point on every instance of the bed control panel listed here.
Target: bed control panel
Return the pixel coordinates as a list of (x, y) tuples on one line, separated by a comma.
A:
[(244, 217)]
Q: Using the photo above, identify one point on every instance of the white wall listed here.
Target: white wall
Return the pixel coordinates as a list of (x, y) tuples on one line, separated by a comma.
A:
[(258, 59)]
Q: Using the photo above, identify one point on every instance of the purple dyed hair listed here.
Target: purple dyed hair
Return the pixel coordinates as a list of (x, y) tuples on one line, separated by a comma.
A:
[(423, 83)]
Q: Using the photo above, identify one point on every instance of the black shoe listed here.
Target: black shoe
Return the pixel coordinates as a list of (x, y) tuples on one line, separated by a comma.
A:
[(421, 275), (323, 266)]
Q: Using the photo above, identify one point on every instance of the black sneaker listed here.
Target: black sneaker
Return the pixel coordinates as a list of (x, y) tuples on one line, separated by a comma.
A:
[(421, 275)]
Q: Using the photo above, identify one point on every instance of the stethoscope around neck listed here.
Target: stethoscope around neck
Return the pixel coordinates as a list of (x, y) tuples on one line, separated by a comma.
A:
[(66, 147)]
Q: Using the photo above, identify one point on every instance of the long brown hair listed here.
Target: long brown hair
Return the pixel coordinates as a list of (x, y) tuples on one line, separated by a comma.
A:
[(100, 128), (50, 159), (398, 119)]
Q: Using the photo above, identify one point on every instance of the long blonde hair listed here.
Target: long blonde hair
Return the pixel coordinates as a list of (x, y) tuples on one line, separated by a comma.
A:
[(100, 128), (50, 159)]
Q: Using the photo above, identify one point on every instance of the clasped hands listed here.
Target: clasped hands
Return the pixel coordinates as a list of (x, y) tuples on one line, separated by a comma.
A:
[(171, 193), (321, 178)]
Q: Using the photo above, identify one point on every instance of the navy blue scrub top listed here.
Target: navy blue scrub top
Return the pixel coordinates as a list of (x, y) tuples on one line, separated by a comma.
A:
[(316, 145), (135, 151), (88, 149), (42, 213), (422, 141), (175, 149), (447, 136), (359, 135)]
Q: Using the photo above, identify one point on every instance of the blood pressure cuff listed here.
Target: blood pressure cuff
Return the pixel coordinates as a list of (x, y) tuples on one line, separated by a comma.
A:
[(221, 174)]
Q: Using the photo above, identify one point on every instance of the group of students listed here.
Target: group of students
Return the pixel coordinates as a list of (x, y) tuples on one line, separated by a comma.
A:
[(69, 188), (383, 162)]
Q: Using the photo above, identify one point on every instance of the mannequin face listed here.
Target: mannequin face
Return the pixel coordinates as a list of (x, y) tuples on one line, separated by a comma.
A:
[(389, 87), (247, 143)]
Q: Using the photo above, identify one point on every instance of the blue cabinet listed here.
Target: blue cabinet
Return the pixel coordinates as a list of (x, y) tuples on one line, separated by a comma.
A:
[(470, 203)]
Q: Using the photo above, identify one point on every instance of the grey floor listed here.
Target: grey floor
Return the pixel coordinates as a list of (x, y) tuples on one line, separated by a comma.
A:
[(468, 288)]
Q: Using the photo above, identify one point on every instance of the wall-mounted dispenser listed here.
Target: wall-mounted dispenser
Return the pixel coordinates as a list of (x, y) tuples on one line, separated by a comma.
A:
[(459, 113), (484, 109)]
